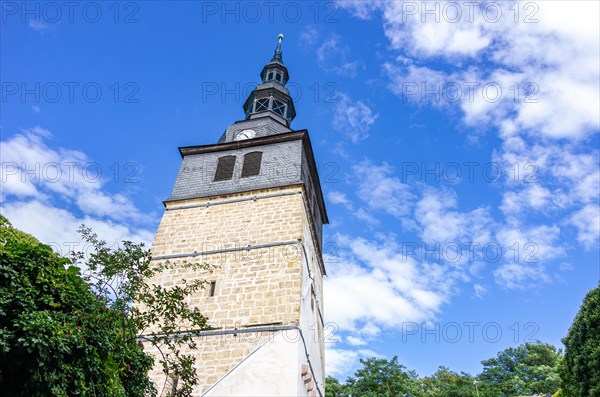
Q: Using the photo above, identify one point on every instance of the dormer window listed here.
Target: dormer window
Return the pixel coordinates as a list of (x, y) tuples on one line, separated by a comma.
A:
[(225, 167), (270, 76), (278, 77), (252, 162)]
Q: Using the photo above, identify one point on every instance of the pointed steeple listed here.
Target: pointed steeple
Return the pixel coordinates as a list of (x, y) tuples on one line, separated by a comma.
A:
[(276, 65), (271, 97), (278, 53)]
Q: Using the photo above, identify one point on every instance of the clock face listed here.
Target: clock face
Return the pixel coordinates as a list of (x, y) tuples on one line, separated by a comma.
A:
[(245, 134)]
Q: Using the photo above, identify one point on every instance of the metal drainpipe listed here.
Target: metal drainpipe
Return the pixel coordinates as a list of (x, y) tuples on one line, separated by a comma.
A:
[(237, 200), (224, 250), (274, 328)]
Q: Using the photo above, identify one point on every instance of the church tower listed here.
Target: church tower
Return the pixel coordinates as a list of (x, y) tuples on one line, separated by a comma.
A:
[(251, 206)]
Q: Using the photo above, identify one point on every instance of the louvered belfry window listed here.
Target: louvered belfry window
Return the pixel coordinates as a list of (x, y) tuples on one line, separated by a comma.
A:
[(261, 104), (225, 168), (251, 164), (279, 107)]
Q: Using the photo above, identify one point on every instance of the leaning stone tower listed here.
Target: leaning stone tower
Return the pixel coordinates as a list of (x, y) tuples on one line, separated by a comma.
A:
[(251, 205)]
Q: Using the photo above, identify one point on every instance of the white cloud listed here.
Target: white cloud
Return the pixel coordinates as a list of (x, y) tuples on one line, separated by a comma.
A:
[(546, 65), (33, 169), (399, 289), (339, 198), (50, 191), (360, 8), (354, 118), (405, 29), (38, 25), (440, 223), (57, 227), (531, 197), (354, 341), (527, 252), (417, 84), (546, 116), (365, 216), (381, 190), (307, 38), (347, 291), (340, 361), (557, 52), (480, 290), (333, 56), (587, 221), (361, 214), (558, 180), (465, 242)]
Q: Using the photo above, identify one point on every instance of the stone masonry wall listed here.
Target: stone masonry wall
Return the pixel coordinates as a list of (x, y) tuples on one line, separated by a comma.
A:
[(254, 287)]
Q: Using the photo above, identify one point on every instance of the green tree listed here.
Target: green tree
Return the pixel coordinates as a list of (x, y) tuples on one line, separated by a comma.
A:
[(446, 383), (382, 378), (528, 369), (161, 314), (57, 337), (333, 388), (580, 368), (67, 334)]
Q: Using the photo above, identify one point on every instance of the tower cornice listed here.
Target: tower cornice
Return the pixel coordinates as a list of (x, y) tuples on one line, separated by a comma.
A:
[(263, 140)]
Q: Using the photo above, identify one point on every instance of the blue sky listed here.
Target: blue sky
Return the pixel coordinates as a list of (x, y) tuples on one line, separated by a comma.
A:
[(457, 146)]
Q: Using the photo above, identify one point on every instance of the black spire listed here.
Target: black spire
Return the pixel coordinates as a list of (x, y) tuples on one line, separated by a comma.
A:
[(277, 56), (271, 96)]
